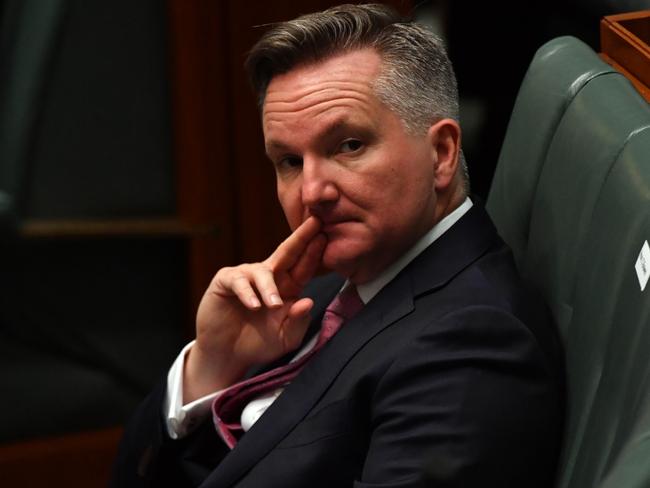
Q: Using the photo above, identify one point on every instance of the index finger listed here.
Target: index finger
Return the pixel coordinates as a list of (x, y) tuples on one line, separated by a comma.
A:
[(291, 249)]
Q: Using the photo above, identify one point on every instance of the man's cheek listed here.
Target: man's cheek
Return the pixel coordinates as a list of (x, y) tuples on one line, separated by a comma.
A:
[(294, 215)]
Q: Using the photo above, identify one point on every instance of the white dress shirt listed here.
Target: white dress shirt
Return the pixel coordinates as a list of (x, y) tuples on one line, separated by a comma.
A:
[(181, 419)]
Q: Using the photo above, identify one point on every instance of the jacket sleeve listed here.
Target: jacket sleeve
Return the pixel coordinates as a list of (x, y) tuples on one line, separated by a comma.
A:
[(473, 401), (148, 457)]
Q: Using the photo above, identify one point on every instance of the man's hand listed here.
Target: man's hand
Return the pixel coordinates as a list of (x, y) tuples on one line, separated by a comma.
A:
[(251, 314)]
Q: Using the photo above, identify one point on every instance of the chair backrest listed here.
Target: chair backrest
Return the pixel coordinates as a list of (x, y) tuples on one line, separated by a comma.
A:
[(584, 148), (560, 69), (609, 338), (574, 207)]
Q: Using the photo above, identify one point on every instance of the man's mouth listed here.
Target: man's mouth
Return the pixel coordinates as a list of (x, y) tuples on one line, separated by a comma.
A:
[(334, 225)]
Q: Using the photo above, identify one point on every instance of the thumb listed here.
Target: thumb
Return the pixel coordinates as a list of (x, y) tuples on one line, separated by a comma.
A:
[(295, 324)]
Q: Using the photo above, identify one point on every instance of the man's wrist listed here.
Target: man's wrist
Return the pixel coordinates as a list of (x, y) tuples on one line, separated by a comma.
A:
[(204, 373), (181, 419)]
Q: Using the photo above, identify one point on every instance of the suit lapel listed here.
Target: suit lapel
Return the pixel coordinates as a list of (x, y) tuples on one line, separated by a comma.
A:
[(432, 269), (465, 242)]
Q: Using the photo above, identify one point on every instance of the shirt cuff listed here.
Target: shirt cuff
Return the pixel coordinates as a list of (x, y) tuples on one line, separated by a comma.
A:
[(180, 419)]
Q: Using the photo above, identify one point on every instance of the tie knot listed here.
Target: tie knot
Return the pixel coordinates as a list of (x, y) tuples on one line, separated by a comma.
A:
[(346, 304)]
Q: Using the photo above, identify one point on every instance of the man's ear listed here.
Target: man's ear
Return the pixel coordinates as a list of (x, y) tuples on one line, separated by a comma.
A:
[(444, 139)]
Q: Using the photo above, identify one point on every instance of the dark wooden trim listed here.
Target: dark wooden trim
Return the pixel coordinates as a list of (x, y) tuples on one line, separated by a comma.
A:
[(640, 87), (200, 91), (624, 42), (153, 228), (83, 459)]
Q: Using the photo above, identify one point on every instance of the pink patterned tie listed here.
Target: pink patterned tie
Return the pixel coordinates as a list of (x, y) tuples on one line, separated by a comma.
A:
[(227, 407)]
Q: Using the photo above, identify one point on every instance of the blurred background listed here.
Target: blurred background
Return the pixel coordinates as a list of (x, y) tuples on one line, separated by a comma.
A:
[(132, 168)]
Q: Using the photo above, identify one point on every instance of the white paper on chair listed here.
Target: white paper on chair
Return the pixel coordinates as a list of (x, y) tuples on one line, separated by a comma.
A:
[(642, 265)]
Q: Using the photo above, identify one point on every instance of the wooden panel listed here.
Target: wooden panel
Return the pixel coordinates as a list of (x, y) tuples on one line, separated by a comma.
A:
[(147, 228), (202, 109), (643, 89), (79, 460), (624, 44)]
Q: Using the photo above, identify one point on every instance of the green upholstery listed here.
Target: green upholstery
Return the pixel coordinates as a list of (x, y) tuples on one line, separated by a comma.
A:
[(576, 210), (558, 72), (23, 80), (609, 338), (585, 145)]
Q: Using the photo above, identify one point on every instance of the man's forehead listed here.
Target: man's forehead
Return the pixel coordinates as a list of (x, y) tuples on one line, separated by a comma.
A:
[(360, 66)]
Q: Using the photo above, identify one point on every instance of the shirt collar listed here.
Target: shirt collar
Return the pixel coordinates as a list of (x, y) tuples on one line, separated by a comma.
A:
[(369, 289)]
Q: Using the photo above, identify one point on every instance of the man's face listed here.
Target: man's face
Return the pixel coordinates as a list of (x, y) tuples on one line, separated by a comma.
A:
[(340, 154)]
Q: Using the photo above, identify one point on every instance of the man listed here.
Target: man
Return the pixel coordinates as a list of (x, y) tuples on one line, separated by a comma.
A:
[(449, 362)]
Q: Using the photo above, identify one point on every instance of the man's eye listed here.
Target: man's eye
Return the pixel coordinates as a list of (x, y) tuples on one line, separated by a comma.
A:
[(350, 145), (290, 162)]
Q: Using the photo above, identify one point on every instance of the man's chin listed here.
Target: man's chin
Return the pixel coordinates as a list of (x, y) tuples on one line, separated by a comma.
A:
[(337, 262)]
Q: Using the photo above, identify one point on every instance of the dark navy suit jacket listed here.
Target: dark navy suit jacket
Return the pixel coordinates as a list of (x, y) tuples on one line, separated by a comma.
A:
[(453, 370)]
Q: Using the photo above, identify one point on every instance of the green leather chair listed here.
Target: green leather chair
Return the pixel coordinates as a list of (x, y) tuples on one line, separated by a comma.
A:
[(556, 75), (577, 222), (609, 338), (586, 143)]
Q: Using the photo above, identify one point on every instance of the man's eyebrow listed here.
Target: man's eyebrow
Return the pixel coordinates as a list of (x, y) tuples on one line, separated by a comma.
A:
[(275, 145), (338, 125), (331, 129)]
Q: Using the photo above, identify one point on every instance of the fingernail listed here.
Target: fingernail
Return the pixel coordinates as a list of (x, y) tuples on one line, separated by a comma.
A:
[(275, 299), (255, 303)]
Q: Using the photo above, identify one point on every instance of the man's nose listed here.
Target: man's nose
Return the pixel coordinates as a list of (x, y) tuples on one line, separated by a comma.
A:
[(318, 184)]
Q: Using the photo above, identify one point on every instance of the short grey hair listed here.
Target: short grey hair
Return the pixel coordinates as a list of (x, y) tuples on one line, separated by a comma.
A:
[(416, 80)]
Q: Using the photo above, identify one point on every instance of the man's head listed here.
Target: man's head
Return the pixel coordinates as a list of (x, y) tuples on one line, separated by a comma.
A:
[(360, 118)]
